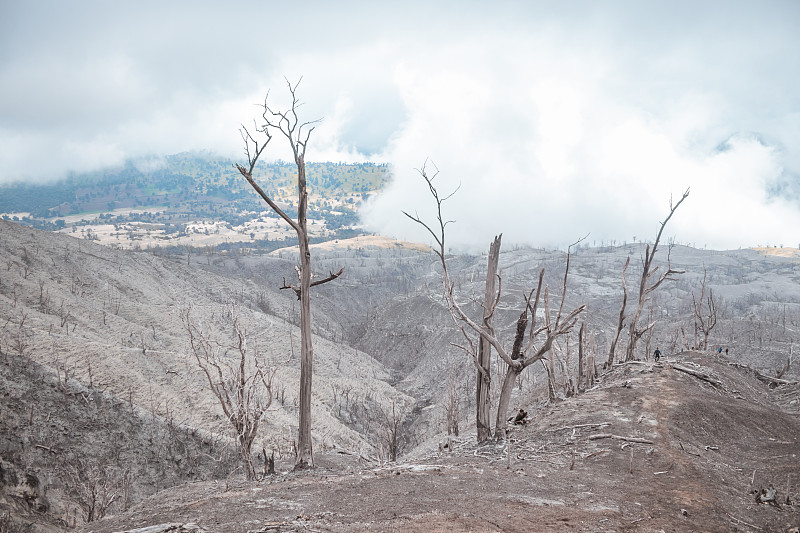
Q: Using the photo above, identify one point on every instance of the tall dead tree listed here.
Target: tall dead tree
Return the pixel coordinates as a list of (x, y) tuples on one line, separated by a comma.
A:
[(540, 338), (482, 354), (297, 133), (526, 338), (238, 376), (621, 321), (484, 376), (650, 281), (581, 358), (705, 313)]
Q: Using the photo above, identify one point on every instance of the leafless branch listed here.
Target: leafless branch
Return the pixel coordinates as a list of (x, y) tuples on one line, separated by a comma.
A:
[(299, 292)]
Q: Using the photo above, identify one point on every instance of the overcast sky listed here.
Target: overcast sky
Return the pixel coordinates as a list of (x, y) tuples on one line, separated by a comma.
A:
[(558, 119)]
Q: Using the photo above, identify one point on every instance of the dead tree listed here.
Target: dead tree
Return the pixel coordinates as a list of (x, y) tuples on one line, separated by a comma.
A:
[(779, 372), (621, 321), (704, 318), (540, 338), (452, 410), (581, 358), (591, 369), (484, 377), (238, 376), (288, 124), (649, 282), (389, 431), (94, 487), (518, 359)]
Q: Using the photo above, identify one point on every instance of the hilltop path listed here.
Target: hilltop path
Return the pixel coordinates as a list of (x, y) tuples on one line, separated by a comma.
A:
[(652, 448)]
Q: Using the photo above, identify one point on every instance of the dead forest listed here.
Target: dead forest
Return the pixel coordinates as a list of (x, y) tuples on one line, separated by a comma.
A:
[(98, 367)]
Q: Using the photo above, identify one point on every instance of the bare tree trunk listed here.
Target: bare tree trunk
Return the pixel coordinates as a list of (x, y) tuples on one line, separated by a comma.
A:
[(298, 134), (568, 384), (505, 398), (649, 334), (635, 334), (581, 373), (704, 322), (304, 448), (621, 321), (484, 376), (245, 449), (590, 360), (549, 366)]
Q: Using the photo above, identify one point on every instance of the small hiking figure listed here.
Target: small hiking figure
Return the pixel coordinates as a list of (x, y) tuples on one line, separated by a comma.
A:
[(657, 355), (720, 350), (520, 418)]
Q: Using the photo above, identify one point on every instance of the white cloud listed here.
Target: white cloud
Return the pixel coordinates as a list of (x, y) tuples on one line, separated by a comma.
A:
[(553, 141), (556, 120)]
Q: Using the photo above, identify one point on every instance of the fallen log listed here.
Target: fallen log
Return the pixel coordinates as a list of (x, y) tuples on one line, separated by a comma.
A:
[(773, 382), (637, 440), (699, 374)]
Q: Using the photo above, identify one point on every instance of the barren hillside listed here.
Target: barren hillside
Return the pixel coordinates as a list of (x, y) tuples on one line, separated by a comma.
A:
[(108, 322), (651, 448), (104, 325)]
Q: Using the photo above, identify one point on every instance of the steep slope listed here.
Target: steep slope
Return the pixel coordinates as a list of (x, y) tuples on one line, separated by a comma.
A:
[(110, 321), (67, 450)]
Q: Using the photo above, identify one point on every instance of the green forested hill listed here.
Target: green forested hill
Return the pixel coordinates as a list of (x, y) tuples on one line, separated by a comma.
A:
[(194, 186)]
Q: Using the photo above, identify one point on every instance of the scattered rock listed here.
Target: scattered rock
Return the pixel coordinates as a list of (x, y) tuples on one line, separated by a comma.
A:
[(767, 495)]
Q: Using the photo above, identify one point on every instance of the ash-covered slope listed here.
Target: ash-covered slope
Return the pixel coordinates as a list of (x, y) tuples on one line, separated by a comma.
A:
[(110, 320), (687, 444), (384, 339), (68, 451), (398, 314)]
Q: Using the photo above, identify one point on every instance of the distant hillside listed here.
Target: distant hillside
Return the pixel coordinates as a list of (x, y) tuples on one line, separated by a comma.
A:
[(170, 195), (183, 182)]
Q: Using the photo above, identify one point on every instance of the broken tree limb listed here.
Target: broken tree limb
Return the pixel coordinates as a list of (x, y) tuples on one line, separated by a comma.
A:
[(740, 521), (299, 292), (638, 440), (51, 450), (696, 454), (598, 452), (598, 424)]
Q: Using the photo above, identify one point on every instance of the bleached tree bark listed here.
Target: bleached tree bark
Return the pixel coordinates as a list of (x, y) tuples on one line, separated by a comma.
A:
[(552, 329), (649, 282), (297, 133), (484, 375), (621, 321), (704, 319), (581, 358)]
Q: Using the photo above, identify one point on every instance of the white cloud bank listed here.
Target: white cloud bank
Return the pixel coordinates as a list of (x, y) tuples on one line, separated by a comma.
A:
[(557, 120)]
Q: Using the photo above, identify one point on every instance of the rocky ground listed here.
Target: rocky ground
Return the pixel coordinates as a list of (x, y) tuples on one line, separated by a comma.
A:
[(687, 444)]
